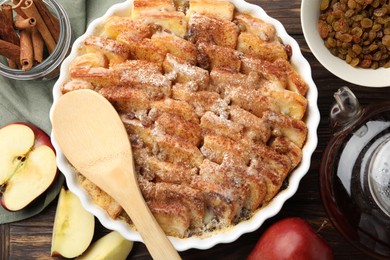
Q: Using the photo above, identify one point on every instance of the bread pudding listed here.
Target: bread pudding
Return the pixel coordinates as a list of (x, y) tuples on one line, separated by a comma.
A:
[(214, 109)]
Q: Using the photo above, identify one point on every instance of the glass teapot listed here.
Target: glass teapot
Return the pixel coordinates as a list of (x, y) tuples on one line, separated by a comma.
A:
[(355, 173)]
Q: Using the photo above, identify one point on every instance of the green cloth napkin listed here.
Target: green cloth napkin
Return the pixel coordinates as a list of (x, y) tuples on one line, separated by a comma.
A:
[(30, 101)]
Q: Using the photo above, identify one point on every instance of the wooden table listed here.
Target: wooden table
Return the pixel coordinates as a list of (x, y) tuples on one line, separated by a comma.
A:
[(30, 239)]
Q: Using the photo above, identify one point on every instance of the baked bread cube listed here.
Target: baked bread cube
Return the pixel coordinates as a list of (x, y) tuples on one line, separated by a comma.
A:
[(172, 216), (223, 79), (99, 77), (135, 127), (125, 99), (143, 49), (216, 148), (219, 57), (176, 46), (253, 101), (170, 172), (115, 51), (201, 101), (140, 8), (101, 198), (188, 197), (224, 196), (272, 166), (115, 25), (253, 184), (253, 46), (89, 60), (178, 126), (185, 73), (176, 107), (212, 30), (255, 128), (170, 21), (280, 72), (296, 103), (217, 125), (76, 85), (177, 150), (293, 129), (269, 71), (256, 26), (220, 9), (144, 75), (283, 145)]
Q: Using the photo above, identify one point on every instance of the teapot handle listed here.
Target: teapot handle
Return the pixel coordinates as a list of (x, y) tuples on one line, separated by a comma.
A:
[(345, 111)]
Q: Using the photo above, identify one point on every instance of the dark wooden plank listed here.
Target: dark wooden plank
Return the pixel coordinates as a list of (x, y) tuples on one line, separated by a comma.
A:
[(4, 241)]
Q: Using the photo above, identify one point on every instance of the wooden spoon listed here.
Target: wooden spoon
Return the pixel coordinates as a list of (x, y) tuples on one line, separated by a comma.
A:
[(94, 140)]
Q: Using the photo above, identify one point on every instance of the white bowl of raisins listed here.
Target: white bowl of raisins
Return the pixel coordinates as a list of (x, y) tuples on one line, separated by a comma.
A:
[(350, 38)]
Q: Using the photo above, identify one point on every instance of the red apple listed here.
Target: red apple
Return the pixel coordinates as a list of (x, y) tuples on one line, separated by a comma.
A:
[(27, 164), (291, 238)]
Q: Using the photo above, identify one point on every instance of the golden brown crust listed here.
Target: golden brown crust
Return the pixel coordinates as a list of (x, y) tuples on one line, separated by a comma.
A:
[(101, 198), (255, 26), (178, 126), (253, 46), (116, 25), (214, 8), (220, 57), (213, 108), (113, 50), (206, 29), (177, 46)]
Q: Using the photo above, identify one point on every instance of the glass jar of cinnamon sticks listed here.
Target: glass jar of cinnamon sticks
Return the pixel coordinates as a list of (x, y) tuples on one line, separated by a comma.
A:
[(35, 36)]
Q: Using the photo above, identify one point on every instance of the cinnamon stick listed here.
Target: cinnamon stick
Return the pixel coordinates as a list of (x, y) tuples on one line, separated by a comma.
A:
[(7, 10), (38, 45), (26, 50), (7, 31), (52, 22), (25, 23), (18, 7), (9, 50), (37, 27), (31, 11), (12, 64)]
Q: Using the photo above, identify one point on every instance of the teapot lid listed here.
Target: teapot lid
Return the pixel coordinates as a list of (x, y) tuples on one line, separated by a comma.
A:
[(355, 173)]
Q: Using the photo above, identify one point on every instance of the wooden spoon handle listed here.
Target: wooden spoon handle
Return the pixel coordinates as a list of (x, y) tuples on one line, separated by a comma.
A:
[(94, 139), (154, 237)]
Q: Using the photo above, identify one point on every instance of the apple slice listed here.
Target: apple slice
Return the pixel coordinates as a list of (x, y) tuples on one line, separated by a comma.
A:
[(27, 164), (111, 246), (73, 227)]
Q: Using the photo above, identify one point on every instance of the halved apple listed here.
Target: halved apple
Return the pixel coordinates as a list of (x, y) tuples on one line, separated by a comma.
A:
[(112, 246), (27, 164), (73, 228)]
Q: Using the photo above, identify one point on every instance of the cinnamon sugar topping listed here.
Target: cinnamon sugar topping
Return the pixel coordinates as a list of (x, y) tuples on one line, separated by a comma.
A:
[(216, 125)]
